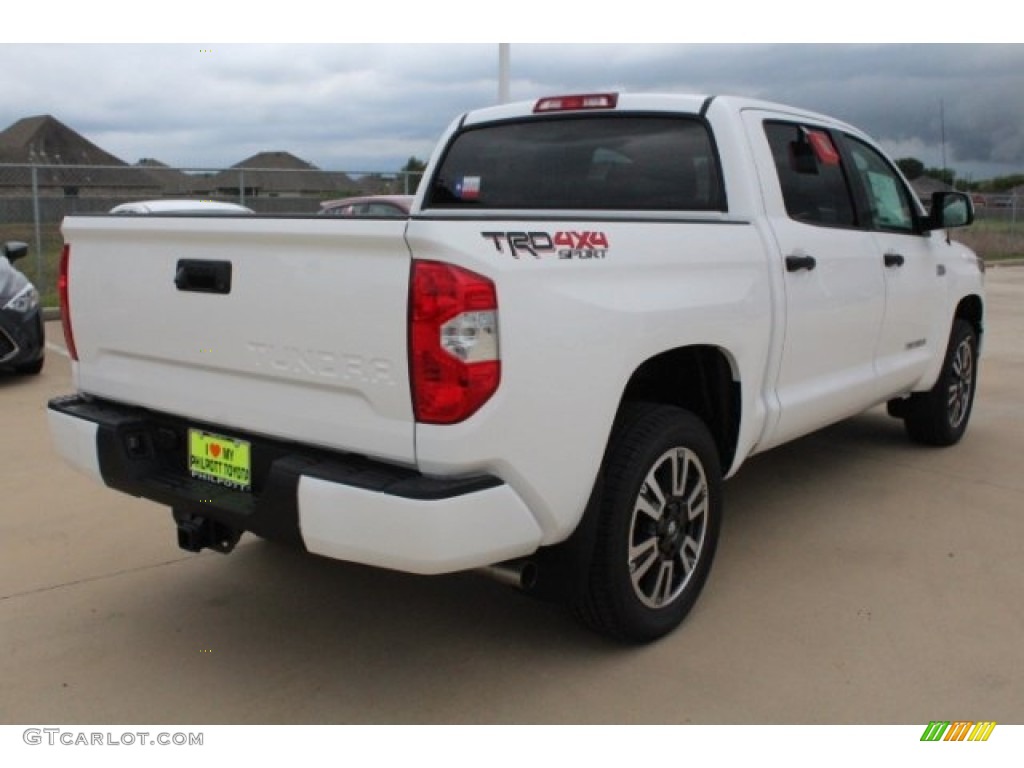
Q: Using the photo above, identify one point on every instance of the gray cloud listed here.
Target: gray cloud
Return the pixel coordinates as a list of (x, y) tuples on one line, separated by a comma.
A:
[(369, 107)]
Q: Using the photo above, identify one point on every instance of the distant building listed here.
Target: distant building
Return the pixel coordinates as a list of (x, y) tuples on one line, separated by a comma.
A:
[(66, 163), (924, 186), (274, 174), (172, 182)]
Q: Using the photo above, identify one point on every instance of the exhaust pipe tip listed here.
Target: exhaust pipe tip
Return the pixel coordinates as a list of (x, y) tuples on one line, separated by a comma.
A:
[(519, 574)]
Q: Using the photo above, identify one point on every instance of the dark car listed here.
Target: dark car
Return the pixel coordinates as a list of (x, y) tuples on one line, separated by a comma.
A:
[(22, 341), (396, 206)]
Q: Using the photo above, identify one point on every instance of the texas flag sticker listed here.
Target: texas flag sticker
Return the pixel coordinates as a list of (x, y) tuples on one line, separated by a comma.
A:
[(470, 188)]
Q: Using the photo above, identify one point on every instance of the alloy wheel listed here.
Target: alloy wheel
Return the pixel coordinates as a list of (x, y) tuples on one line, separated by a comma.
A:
[(668, 527)]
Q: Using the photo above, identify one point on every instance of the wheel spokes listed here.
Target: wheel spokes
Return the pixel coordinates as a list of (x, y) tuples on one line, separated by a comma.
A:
[(679, 461), (688, 554), (697, 503), (651, 500), (667, 529), (648, 550), (663, 587), (645, 506), (960, 388)]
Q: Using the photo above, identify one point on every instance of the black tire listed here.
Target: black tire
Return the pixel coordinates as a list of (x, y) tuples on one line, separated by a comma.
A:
[(648, 567), (940, 416), (31, 368)]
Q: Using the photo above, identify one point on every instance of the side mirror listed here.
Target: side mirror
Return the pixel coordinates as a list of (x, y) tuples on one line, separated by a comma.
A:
[(949, 210), (14, 250)]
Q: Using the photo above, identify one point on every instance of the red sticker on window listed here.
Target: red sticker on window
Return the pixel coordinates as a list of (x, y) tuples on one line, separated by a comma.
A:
[(823, 147)]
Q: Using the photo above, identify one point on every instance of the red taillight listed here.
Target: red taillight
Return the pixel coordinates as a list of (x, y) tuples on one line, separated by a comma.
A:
[(65, 306), (453, 342), (577, 101)]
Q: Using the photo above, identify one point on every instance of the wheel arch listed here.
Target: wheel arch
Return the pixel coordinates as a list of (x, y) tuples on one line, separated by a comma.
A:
[(972, 310), (702, 379)]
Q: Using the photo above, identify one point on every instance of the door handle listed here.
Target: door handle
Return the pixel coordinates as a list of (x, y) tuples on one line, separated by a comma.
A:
[(796, 262), (893, 259)]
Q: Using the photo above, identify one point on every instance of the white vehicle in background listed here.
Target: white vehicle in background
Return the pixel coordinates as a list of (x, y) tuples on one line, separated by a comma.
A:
[(598, 307), (390, 206), (191, 207)]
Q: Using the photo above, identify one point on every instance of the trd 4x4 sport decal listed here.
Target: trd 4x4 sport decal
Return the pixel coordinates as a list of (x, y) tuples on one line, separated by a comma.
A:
[(564, 245)]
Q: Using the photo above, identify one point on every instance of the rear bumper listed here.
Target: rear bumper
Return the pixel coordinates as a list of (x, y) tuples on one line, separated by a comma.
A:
[(338, 505)]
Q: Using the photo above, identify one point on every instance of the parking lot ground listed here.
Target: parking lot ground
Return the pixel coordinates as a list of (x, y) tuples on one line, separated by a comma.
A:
[(860, 579)]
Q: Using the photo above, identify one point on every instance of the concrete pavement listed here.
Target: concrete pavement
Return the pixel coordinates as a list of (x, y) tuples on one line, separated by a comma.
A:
[(859, 579)]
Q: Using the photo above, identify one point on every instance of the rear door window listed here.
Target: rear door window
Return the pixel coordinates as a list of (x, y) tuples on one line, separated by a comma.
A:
[(633, 163)]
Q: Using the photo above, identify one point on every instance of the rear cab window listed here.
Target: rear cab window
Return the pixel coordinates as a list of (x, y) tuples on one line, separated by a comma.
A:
[(620, 162)]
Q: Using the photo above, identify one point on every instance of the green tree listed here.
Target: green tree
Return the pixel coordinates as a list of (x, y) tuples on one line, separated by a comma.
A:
[(946, 175), (1002, 183), (911, 167), (412, 172)]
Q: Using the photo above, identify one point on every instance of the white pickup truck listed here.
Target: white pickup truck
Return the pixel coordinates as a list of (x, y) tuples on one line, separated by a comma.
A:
[(598, 308)]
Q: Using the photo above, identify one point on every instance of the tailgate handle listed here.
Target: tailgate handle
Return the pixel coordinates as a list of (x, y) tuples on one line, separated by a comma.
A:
[(203, 276)]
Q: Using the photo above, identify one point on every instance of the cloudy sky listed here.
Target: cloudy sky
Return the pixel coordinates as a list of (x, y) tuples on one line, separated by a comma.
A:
[(355, 106)]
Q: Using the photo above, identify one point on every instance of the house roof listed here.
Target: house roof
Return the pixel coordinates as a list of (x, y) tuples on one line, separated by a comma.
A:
[(924, 186), (61, 157), (45, 142), (284, 161), (277, 172), (375, 184), (171, 180), (44, 139)]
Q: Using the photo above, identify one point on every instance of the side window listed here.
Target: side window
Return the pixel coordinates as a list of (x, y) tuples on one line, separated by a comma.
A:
[(891, 209), (814, 184), (383, 209)]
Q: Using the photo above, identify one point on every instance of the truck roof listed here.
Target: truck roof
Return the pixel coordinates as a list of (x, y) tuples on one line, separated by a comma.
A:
[(647, 102)]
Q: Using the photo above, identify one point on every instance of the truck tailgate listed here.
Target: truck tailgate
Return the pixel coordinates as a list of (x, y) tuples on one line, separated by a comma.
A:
[(305, 340)]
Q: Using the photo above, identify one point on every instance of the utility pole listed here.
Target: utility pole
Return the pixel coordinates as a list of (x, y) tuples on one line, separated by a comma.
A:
[(504, 55), (942, 133), (37, 218)]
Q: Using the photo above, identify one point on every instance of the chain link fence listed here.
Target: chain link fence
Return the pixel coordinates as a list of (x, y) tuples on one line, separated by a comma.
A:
[(998, 230), (34, 199)]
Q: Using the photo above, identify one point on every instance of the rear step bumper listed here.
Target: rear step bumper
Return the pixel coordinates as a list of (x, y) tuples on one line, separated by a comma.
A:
[(338, 505)]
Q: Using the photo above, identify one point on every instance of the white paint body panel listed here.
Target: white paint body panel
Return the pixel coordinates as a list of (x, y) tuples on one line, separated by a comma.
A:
[(416, 536), (572, 334)]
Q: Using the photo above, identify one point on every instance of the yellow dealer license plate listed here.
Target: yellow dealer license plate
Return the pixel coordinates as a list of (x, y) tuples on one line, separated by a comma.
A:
[(219, 459)]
